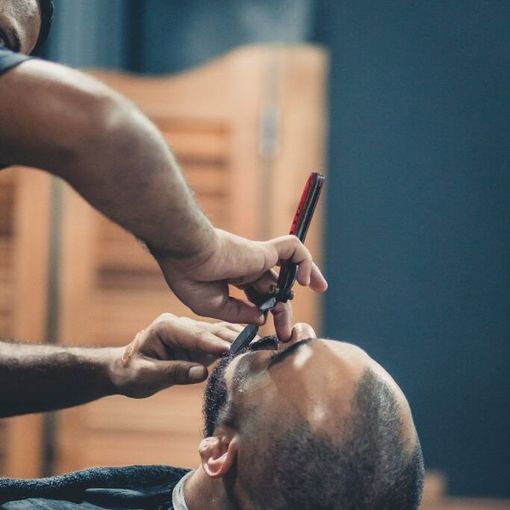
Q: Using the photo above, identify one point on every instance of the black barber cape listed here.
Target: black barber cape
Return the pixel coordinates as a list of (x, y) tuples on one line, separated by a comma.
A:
[(126, 488), (8, 59)]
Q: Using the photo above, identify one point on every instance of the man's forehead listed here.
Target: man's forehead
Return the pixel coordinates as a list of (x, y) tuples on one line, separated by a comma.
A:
[(321, 363), (317, 381)]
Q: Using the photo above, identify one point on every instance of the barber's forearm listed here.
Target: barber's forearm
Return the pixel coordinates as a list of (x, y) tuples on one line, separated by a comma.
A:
[(35, 378), (69, 124), (129, 173)]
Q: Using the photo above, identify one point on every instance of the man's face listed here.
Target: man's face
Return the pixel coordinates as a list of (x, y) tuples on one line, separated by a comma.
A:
[(20, 23), (310, 379), (311, 423)]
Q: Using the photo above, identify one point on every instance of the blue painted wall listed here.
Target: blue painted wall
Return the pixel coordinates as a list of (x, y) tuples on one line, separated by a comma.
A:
[(419, 185), (419, 216)]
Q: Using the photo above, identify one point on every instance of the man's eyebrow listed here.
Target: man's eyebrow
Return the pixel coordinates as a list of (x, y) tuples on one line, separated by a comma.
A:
[(283, 355)]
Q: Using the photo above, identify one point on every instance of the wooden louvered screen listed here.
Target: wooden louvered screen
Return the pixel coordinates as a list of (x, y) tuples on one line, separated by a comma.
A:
[(7, 200), (25, 203), (7, 186), (247, 129)]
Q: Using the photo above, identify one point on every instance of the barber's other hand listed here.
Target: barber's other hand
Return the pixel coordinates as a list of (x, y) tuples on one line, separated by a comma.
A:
[(172, 350), (202, 282)]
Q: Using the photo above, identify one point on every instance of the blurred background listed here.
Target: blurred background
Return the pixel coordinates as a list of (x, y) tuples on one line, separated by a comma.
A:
[(416, 230)]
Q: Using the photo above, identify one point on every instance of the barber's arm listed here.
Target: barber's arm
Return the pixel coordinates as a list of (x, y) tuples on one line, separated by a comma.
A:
[(172, 350), (65, 122)]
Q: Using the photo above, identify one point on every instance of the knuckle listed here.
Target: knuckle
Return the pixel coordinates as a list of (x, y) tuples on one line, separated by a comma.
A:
[(173, 371), (203, 336), (166, 316)]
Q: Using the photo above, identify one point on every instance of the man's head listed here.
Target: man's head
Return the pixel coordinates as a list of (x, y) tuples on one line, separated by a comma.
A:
[(317, 425), (25, 24)]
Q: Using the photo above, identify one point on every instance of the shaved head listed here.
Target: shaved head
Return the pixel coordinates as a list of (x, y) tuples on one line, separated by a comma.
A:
[(321, 426)]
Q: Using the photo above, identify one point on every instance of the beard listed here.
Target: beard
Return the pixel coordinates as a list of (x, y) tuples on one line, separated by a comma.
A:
[(217, 408), (215, 396)]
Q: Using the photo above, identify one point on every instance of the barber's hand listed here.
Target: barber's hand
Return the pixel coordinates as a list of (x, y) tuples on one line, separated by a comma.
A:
[(202, 282), (172, 350)]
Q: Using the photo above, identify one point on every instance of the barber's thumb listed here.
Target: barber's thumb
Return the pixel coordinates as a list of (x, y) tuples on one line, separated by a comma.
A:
[(183, 372)]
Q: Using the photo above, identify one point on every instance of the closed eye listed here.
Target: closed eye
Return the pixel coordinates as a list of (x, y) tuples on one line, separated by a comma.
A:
[(268, 343), (280, 356)]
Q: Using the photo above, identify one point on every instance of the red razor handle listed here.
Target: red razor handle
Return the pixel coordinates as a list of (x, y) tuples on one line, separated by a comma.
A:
[(299, 228)]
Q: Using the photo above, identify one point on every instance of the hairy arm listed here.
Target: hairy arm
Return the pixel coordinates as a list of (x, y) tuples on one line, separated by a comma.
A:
[(37, 378), (171, 350), (65, 122)]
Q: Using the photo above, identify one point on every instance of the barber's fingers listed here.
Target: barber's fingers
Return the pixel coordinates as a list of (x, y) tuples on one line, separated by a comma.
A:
[(291, 248), (219, 330), (285, 248), (162, 374), (185, 334), (212, 299), (143, 376), (317, 281), (258, 290), (261, 283), (301, 331), (237, 310), (226, 330), (183, 372), (282, 317)]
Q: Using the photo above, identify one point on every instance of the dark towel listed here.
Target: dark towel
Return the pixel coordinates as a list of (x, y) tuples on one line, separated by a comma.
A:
[(126, 487)]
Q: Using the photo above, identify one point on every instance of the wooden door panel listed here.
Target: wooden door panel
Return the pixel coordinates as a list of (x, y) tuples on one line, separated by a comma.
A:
[(25, 212), (164, 429)]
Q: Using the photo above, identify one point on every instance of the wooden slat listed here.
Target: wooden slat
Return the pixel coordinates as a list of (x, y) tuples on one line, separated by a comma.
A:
[(207, 180), (6, 202), (127, 449), (199, 142), (163, 429), (30, 248), (6, 285)]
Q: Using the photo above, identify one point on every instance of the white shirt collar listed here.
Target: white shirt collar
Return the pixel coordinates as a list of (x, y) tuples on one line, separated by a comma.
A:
[(178, 500)]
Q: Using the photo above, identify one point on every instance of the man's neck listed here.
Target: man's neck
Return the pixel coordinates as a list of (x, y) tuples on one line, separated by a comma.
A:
[(203, 493)]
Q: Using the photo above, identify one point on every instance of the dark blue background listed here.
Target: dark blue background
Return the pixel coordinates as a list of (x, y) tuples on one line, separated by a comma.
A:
[(419, 216), (418, 256)]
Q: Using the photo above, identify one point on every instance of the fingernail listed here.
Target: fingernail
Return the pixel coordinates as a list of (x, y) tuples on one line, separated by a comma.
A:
[(261, 320), (197, 373)]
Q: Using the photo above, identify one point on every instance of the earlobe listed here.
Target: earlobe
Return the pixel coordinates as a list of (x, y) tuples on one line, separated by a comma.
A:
[(218, 454)]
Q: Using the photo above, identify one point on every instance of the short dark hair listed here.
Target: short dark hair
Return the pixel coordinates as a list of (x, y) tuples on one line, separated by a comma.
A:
[(369, 467), (46, 10)]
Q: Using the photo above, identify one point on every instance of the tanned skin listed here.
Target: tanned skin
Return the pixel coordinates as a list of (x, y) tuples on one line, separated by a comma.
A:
[(59, 120)]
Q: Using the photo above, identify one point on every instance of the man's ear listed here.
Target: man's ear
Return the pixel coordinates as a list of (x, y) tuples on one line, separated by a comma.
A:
[(218, 453)]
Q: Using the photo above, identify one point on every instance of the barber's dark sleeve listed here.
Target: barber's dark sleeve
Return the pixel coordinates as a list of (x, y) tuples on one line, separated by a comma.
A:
[(9, 59)]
